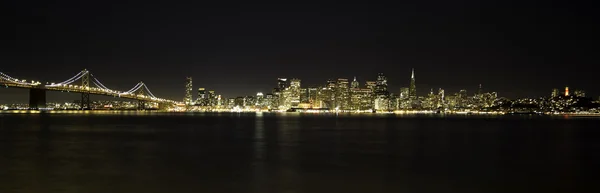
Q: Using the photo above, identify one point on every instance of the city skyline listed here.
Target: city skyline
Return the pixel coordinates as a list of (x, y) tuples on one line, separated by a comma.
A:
[(290, 95), (15, 97)]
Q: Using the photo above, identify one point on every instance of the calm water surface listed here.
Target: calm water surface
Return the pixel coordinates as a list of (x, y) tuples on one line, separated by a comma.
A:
[(280, 153)]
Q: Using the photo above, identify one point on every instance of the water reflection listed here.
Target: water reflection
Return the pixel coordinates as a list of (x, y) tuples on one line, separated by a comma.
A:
[(269, 152)]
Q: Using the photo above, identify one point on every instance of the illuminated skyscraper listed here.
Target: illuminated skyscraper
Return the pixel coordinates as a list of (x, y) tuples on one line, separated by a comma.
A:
[(567, 91), (312, 96), (294, 89), (281, 83), (354, 84), (249, 102), (219, 101), (342, 96), (278, 93), (303, 95), (326, 95), (381, 85), (412, 89), (555, 92), (231, 103), (404, 93), (188, 91), (360, 99), (201, 93), (269, 101), (260, 100), (461, 98), (371, 85), (440, 98), (202, 99), (295, 83), (330, 84), (212, 98)]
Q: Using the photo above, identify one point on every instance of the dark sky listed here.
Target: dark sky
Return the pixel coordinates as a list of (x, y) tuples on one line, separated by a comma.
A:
[(521, 48)]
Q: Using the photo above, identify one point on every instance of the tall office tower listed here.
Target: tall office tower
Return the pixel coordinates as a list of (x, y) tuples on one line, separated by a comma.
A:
[(269, 101), (381, 84), (354, 84), (555, 92), (412, 87), (404, 93), (231, 103), (219, 101), (294, 92), (441, 97), (430, 101), (331, 84), (202, 99), (325, 97), (295, 83), (567, 91), (360, 99), (249, 101), (188, 91), (201, 93), (277, 94), (212, 98), (341, 93), (281, 83), (304, 95), (312, 96), (480, 90), (274, 101), (381, 95), (371, 85), (462, 98), (462, 93), (329, 94), (260, 100)]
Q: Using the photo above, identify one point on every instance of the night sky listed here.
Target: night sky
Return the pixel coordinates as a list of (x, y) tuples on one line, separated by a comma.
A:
[(518, 49)]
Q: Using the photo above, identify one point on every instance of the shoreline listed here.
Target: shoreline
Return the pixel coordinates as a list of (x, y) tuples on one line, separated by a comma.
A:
[(283, 112)]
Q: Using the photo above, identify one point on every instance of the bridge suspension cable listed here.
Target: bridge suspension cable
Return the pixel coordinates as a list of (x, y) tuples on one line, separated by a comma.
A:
[(98, 83), (135, 88), (14, 80), (7, 77), (72, 79), (149, 93)]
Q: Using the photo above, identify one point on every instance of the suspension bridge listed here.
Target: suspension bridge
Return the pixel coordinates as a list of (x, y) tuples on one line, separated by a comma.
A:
[(84, 83)]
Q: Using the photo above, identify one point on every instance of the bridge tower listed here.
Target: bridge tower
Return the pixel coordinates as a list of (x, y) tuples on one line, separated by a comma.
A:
[(85, 86), (141, 103), (37, 98)]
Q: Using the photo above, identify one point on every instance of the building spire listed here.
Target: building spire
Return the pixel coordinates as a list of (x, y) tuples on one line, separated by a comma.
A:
[(412, 89), (354, 83)]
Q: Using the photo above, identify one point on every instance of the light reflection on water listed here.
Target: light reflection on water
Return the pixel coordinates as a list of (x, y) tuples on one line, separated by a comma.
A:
[(293, 152)]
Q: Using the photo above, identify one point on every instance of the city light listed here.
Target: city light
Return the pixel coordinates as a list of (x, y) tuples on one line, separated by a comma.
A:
[(335, 95)]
